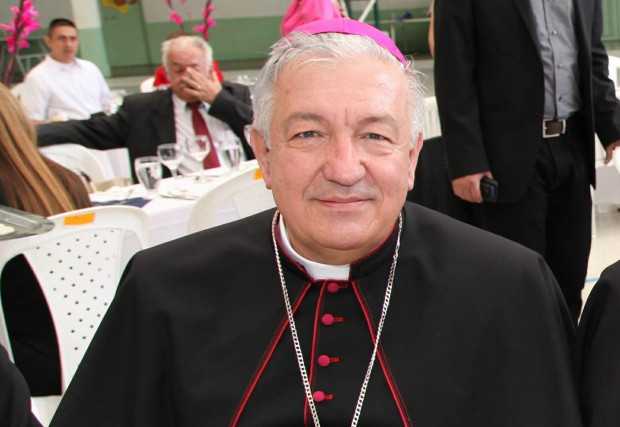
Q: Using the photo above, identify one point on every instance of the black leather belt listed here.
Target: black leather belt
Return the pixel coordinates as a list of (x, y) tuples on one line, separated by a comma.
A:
[(553, 128)]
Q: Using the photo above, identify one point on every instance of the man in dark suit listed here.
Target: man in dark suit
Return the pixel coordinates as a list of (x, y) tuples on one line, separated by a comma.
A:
[(146, 120), (521, 87)]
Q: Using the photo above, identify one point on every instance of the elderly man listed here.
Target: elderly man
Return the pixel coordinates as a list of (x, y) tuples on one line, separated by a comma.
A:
[(196, 104), (343, 305), (62, 86)]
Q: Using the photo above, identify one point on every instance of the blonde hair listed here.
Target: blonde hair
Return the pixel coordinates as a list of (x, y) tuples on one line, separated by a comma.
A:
[(25, 176)]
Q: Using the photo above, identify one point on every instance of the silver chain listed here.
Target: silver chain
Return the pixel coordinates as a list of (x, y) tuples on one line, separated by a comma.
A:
[(293, 327)]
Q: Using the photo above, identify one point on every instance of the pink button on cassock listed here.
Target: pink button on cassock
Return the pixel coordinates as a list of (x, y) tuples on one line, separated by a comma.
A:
[(320, 396), (324, 360), (329, 319), (333, 287)]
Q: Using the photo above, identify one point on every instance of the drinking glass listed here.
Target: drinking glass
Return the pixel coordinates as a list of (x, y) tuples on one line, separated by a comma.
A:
[(232, 152), (149, 172), (197, 148), (170, 155)]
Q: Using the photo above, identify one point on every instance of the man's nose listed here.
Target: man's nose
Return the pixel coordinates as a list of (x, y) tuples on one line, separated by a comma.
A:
[(343, 161)]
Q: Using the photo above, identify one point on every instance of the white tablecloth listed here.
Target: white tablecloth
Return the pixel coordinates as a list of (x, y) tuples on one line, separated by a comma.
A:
[(168, 216)]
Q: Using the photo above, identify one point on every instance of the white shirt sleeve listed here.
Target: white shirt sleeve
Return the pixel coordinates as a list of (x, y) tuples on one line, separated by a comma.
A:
[(105, 96), (35, 98)]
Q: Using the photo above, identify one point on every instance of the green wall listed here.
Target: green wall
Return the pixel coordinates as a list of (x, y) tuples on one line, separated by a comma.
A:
[(92, 48), (237, 42)]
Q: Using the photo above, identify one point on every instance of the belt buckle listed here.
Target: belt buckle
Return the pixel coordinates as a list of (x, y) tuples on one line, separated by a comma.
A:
[(553, 135)]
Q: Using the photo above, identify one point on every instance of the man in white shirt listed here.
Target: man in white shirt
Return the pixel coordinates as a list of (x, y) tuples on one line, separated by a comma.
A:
[(196, 104), (64, 87)]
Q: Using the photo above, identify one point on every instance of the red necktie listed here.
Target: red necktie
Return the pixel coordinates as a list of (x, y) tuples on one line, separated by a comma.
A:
[(200, 128)]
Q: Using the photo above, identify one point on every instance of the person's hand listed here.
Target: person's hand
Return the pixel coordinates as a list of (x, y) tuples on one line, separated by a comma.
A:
[(202, 87), (468, 187), (610, 150)]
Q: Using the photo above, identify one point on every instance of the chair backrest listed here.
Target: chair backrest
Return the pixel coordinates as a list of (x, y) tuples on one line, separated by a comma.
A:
[(17, 90), (432, 127), (118, 159), (147, 85), (78, 265), (242, 195), (80, 160)]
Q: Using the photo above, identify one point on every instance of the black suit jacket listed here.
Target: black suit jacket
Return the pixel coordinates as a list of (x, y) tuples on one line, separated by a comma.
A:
[(146, 120), (490, 87)]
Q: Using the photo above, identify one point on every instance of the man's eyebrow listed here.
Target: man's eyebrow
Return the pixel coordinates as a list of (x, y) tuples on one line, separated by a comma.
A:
[(380, 118), (305, 116)]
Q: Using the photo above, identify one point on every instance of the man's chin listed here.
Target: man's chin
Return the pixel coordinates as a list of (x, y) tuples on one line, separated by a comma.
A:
[(185, 96)]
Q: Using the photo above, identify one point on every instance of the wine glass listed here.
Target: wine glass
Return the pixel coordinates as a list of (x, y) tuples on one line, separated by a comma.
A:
[(232, 152), (170, 156), (197, 148), (149, 172)]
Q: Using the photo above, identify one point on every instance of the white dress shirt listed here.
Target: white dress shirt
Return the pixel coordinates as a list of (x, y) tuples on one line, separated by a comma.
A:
[(221, 134), (57, 91), (316, 270)]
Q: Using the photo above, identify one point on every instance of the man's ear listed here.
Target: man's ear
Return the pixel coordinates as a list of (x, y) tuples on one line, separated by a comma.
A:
[(262, 153), (414, 156), (47, 41)]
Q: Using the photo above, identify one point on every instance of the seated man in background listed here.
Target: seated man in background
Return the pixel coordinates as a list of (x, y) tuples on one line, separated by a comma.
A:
[(599, 349), (196, 104), (64, 87), (278, 319)]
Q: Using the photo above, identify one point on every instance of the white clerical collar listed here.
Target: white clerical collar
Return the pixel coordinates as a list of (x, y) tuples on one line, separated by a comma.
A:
[(179, 103), (316, 270)]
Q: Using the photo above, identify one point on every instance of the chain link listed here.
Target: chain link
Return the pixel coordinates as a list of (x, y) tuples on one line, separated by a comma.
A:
[(291, 320)]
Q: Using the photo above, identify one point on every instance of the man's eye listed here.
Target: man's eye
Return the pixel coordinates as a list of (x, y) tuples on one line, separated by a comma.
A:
[(375, 137), (307, 134)]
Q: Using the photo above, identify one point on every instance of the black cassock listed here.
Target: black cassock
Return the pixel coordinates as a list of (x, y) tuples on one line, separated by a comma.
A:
[(14, 396), (476, 335), (599, 352)]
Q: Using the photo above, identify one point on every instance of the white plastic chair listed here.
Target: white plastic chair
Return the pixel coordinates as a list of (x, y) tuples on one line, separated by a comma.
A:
[(81, 160), (78, 265), (242, 195), (17, 90), (118, 159), (147, 85)]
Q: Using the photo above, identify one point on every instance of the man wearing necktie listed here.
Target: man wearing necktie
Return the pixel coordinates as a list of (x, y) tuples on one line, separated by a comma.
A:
[(196, 104)]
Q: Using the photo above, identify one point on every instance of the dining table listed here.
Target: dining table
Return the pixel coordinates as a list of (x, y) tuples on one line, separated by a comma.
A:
[(168, 208)]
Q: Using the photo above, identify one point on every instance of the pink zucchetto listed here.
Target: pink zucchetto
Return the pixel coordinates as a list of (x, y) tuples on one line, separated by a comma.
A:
[(353, 27)]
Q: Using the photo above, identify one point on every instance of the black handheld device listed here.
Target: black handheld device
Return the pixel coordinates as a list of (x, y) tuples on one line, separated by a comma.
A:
[(489, 189)]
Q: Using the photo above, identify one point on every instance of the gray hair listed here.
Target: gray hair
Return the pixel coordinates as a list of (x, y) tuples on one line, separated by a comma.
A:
[(184, 42), (327, 46)]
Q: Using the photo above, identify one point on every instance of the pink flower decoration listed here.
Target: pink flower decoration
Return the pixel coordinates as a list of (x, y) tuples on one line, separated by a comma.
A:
[(23, 23), (207, 21), (176, 18)]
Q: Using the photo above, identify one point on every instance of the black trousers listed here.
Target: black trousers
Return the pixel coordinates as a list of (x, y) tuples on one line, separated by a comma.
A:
[(554, 215)]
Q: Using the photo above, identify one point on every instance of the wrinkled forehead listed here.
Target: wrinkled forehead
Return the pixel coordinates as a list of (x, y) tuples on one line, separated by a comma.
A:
[(313, 72)]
